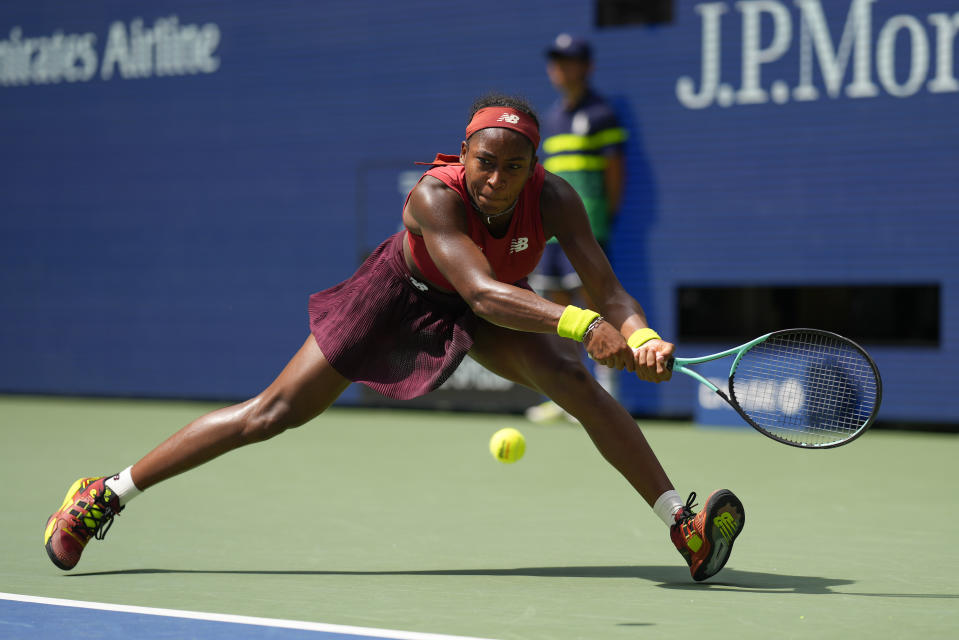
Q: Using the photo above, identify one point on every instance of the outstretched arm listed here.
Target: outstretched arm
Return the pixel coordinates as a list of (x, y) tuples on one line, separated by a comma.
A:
[(565, 217)]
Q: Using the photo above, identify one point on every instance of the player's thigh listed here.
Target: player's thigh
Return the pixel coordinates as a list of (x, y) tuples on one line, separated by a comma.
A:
[(543, 362), (305, 388)]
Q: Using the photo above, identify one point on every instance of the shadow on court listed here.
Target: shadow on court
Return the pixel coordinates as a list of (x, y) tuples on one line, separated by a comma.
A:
[(667, 577)]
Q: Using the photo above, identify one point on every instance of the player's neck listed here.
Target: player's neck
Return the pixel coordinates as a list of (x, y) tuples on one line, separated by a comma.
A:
[(493, 218)]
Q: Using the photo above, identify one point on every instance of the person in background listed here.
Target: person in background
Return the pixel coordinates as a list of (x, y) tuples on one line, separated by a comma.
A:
[(583, 143)]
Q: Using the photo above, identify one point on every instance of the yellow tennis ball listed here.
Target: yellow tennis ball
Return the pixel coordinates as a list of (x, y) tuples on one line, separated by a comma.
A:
[(507, 445)]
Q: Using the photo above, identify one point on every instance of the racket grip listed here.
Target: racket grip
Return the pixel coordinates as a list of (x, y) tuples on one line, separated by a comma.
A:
[(670, 362)]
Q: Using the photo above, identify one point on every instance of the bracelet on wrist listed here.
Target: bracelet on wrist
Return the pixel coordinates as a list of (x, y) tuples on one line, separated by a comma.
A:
[(575, 322), (592, 325), (641, 336)]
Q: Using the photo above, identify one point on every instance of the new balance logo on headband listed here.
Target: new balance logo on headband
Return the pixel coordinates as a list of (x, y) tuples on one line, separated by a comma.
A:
[(504, 118)]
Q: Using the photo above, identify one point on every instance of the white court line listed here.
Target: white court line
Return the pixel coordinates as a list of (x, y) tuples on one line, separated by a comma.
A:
[(225, 617)]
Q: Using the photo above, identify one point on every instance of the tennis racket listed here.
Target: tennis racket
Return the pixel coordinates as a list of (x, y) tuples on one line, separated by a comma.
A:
[(803, 387)]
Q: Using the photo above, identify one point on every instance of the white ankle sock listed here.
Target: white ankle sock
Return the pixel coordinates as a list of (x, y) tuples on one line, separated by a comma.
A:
[(667, 505), (122, 485)]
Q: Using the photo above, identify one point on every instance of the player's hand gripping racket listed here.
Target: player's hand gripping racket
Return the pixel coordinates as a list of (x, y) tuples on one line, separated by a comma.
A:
[(804, 387)]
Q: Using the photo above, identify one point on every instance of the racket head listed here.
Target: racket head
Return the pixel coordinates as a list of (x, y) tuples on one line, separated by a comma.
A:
[(807, 388)]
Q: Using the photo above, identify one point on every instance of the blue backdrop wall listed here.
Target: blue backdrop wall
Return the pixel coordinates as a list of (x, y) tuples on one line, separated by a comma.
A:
[(177, 177)]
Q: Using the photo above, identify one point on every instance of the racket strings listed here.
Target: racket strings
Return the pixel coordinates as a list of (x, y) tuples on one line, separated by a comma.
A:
[(806, 387)]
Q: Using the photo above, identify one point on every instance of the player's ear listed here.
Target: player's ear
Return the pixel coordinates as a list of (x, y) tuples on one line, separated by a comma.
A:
[(532, 166), (463, 149)]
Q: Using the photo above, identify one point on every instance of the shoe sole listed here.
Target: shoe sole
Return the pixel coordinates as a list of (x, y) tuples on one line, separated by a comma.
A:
[(725, 519), (54, 559)]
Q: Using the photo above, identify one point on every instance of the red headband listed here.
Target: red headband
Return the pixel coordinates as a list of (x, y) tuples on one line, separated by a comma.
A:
[(505, 118)]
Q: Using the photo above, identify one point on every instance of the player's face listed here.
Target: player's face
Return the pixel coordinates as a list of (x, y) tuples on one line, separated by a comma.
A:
[(498, 163)]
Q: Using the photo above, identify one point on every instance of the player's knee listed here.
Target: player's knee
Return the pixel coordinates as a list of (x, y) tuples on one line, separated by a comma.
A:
[(571, 374), (268, 418)]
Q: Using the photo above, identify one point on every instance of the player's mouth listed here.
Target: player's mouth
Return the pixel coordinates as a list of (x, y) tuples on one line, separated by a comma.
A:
[(499, 204), (490, 206)]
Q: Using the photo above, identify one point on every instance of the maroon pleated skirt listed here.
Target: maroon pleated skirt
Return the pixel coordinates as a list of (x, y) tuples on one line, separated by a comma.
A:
[(386, 330)]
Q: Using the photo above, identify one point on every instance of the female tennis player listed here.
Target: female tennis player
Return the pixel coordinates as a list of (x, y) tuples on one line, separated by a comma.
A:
[(452, 282)]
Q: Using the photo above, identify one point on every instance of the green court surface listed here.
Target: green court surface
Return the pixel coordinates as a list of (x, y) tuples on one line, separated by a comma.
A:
[(403, 520)]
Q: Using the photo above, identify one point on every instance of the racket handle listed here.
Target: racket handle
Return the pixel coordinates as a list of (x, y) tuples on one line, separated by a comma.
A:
[(669, 363)]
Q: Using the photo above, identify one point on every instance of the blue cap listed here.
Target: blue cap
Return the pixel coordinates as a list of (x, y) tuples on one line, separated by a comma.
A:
[(568, 46)]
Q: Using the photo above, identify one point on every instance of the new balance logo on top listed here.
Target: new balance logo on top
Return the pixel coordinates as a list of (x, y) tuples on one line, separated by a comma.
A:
[(419, 285), (511, 118), (518, 244)]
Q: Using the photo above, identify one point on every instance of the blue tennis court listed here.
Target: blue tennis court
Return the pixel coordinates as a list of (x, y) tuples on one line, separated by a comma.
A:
[(31, 617)]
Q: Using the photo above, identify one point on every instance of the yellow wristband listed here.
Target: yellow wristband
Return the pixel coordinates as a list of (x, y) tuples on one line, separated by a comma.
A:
[(641, 337), (574, 322)]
